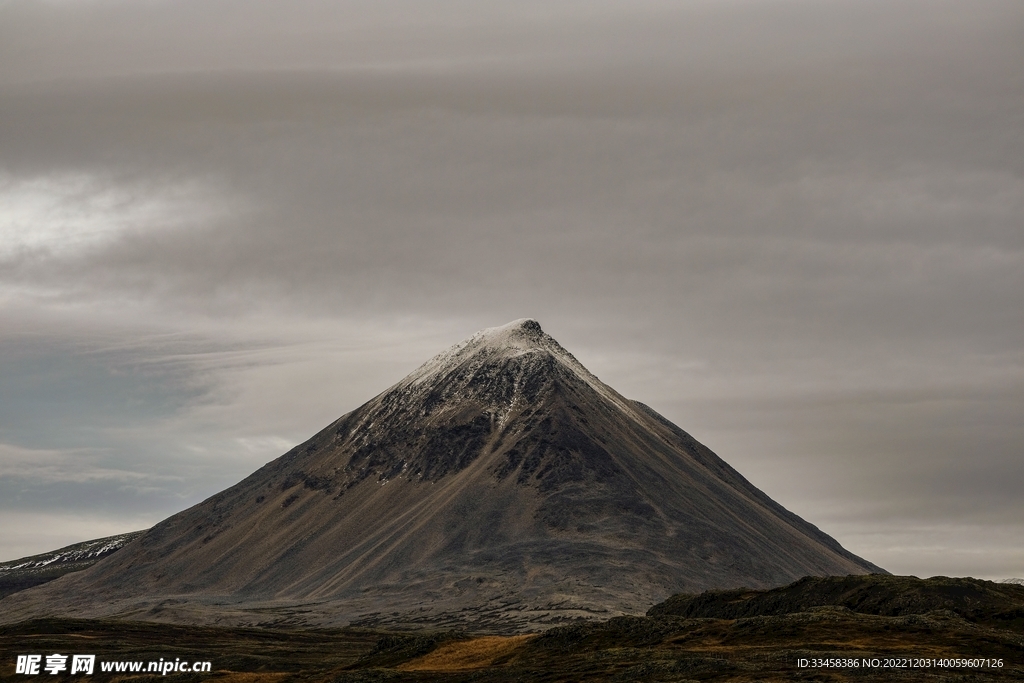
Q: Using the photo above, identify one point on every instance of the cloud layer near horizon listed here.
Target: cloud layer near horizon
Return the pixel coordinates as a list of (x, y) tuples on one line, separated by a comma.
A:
[(793, 228)]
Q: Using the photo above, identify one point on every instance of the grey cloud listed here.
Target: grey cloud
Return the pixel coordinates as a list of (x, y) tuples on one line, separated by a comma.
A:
[(113, 37), (793, 228)]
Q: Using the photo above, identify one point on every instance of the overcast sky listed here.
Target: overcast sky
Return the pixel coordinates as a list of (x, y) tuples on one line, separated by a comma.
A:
[(795, 228)]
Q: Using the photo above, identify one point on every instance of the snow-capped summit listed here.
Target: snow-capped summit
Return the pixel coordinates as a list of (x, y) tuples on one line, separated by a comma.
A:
[(516, 338)]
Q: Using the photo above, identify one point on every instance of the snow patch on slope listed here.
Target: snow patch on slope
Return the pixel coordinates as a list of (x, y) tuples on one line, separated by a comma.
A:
[(79, 552)]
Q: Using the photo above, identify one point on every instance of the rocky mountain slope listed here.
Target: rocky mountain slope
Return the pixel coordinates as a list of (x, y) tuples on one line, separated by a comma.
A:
[(499, 486)]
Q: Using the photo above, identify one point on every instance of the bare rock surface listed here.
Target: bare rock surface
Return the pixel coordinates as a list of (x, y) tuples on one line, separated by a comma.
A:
[(499, 487)]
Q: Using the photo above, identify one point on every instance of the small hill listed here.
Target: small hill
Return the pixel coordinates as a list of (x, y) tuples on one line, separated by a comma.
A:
[(17, 575)]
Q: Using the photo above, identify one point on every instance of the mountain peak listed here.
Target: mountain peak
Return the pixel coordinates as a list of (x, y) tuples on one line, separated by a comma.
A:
[(516, 332), (495, 345), (520, 335), (524, 324)]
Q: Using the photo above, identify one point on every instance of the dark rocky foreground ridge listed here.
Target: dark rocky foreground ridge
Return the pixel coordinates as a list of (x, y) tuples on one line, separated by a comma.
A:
[(499, 486), (976, 600)]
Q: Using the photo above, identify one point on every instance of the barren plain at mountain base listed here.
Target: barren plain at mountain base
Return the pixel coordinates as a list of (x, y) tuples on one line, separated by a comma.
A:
[(908, 630)]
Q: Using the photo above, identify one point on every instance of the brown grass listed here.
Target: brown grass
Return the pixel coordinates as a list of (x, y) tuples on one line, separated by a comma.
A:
[(466, 654), (242, 677)]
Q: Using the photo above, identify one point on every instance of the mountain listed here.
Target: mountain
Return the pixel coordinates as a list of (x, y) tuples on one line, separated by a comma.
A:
[(499, 486), (17, 575)]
